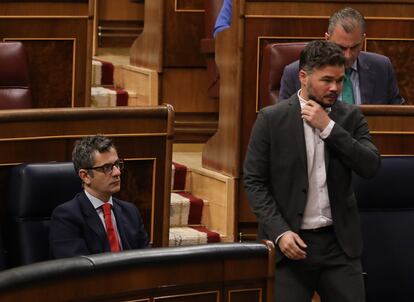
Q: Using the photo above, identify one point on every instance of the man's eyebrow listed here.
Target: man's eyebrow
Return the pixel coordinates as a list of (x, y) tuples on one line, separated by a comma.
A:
[(331, 78), (352, 46)]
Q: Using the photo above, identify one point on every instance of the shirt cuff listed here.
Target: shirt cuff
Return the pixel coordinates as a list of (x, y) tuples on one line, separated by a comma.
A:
[(280, 236), (325, 133)]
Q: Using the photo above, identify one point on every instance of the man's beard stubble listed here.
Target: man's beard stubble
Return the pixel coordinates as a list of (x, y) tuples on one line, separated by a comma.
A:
[(318, 100)]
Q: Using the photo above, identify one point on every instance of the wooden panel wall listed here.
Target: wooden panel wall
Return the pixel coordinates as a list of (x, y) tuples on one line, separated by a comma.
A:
[(58, 41), (184, 78), (118, 23), (146, 51), (143, 136), (171, 44), (175, 29), (392, 128), (120, 10)]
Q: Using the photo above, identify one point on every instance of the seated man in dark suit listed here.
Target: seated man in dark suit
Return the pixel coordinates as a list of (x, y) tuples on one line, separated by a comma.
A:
[(94, 221), (369, 77)]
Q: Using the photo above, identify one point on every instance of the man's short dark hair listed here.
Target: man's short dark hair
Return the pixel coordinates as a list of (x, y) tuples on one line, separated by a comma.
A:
[(83, 152), (350, 19), (320, 53)]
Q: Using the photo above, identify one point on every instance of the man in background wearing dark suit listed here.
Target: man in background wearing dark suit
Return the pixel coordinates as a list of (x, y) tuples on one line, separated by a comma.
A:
[(94, 221), (371, 75), (298, 178)]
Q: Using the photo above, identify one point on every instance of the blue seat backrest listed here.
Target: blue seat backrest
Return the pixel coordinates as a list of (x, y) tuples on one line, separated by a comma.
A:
[(33, 193), (386, 205), (3, 260)]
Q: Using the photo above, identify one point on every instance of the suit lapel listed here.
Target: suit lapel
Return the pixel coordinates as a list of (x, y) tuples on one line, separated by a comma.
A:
[(297, 129), (366, 80), (121, 224), (336, 115), (93, 221)]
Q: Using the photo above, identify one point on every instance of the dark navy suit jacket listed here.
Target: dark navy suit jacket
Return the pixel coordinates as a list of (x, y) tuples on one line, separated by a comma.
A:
[(76, 229), (377, 81)]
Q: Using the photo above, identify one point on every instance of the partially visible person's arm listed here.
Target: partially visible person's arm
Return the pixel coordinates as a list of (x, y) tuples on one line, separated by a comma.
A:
[(142, 236), (393, 90), (289, 83), (356, 149), (257, 182)]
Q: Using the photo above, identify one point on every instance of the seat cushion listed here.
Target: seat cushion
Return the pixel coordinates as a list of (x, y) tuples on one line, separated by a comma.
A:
[(17, 98)]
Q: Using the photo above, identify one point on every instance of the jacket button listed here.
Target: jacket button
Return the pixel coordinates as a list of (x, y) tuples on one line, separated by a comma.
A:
[(304, 191)]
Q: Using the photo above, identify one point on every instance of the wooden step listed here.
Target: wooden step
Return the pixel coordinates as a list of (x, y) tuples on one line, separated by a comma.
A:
[(186, 209), (192, 235), (217, 189), (108, 97)]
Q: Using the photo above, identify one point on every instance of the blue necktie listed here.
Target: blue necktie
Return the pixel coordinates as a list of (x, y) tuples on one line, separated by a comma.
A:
[(347, 90)]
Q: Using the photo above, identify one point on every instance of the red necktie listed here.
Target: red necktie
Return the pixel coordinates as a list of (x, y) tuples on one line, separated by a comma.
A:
[(110, 231)]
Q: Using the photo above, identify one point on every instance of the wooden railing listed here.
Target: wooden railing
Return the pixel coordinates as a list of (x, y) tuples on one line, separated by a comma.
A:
[(236, 272)]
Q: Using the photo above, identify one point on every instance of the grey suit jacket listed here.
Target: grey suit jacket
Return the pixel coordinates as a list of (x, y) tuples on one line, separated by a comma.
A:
[(377, 80), (76, 229), (275, 170)]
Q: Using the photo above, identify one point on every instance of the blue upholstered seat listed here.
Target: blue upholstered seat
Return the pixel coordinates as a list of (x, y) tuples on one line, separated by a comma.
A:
[(34, 191), (386, 205)]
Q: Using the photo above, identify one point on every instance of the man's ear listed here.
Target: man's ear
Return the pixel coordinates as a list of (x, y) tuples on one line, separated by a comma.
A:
[(326, 36), (303, 77), (84, 176)]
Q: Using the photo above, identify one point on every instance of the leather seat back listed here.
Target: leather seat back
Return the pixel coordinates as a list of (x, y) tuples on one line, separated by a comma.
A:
[(15, 92), (34, 192), (386, 205), (275, 57)]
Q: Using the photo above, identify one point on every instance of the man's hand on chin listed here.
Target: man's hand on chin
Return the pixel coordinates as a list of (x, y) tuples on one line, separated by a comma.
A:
[(315, 115)]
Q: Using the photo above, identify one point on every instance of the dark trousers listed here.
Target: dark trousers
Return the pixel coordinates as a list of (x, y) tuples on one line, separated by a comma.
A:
[(326, 270)]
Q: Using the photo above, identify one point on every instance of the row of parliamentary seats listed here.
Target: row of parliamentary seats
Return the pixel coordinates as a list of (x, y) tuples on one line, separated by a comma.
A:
[(187, 223)]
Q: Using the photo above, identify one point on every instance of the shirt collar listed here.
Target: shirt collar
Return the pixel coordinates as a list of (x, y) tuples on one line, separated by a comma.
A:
[(354, 66), (96, 202), (302, 101)]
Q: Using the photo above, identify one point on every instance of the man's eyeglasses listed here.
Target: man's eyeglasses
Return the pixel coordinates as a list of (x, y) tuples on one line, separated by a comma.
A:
[(108, 168)]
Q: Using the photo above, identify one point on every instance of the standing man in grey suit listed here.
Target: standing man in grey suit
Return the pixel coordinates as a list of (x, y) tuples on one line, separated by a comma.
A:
[(297, 175), (371, 75)]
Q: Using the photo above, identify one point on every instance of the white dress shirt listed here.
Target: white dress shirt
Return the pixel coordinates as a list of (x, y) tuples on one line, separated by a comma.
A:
[(317, 210)]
